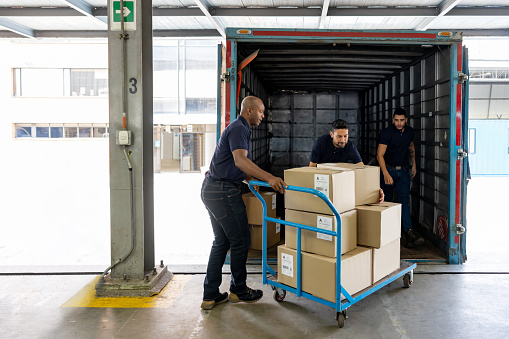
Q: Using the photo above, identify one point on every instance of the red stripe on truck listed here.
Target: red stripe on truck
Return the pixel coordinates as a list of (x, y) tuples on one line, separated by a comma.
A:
[(348, 34)]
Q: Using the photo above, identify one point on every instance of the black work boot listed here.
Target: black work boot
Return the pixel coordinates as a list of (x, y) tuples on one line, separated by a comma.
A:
[(209, 304), (405, 243), (249, 296), (414, 238)]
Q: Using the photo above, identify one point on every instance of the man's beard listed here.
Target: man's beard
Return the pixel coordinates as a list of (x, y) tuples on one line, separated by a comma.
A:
[(339, 145)]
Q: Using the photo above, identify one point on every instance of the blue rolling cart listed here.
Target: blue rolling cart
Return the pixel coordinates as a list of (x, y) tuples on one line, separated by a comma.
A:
[(279, 290)]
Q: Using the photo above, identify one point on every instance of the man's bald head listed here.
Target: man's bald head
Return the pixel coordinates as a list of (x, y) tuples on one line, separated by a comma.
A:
[(249, 102), (252, 109)]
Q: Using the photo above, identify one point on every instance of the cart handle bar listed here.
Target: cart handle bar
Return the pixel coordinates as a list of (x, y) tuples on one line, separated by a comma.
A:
[(304, 190)]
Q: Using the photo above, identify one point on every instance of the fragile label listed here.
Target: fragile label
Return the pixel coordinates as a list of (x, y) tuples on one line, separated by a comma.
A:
[(278, 228), (273, 201), (322, 183), (287, 264), (325, 223)]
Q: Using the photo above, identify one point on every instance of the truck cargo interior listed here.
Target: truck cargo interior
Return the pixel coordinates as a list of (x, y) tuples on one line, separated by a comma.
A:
[(308, 84)]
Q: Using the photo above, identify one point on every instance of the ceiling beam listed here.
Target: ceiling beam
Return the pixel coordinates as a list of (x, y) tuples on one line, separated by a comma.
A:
[(325, 9), (17, 28), (38, 11), (204, 8), (445, 7), (85, 9), (429, 12)]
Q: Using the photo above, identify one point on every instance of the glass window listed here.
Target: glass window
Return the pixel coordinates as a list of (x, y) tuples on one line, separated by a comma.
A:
[(23, 131), (100, 132), (42, 132), (166, 72), (471, 140), (84, 132), (201, 105), (40, 82), (89, 82), (71, 131), (56, 132)]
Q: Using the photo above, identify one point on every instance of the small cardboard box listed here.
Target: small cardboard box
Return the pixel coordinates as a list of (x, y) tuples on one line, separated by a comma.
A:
[(386, 260), (320, 243), (378, 224), (318, 273), (337, 184), (367, 181), (273, 235), (254, 207)]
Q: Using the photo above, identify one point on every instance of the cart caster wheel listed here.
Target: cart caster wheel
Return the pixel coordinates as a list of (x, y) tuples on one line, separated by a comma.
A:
[(341, 319), (406, 281), (279, 297)]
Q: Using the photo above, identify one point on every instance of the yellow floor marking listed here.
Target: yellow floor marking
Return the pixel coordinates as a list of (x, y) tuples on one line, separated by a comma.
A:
[(86, 296)]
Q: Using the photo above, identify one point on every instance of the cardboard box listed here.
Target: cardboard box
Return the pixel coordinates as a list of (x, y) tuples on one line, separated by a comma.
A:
[(378, 224), (319, 243), (273, 235), (254, 207), (367, 181), (338, 185), (318, 273), (386, 260)]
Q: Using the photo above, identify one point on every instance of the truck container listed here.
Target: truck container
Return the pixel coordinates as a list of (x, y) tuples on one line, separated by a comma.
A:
[(309, 78)]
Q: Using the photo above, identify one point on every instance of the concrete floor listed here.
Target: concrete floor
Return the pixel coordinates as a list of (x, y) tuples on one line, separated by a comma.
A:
[(445, 301), (435, 306)]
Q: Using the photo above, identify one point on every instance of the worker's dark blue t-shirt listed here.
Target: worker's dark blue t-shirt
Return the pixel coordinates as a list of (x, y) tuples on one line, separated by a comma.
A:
[(324, 151), (222, 166), (397, 145)]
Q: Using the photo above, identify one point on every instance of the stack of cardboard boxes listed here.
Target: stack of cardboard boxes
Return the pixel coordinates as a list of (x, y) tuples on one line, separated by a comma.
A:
[(254, 210), (370, 231)]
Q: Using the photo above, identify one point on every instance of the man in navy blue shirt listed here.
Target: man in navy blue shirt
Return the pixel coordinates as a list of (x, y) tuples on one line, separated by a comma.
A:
[(335, 147), (395, 148), (229, 167)]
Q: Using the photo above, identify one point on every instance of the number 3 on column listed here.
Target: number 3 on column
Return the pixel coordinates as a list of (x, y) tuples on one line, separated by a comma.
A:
[(133, 88)]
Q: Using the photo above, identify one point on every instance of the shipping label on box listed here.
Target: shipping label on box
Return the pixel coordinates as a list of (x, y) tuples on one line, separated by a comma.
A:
[(378, 224), (254, 207), (367, 181), (318, 273), (337, 184), (319, 243)]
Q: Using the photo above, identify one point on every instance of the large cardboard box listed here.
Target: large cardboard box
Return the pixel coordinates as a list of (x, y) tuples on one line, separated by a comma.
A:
[(337, 184), (367, 181), (320, 243), (319, 272), (273, 235), (386, 260), (378, 224), (254, 207)]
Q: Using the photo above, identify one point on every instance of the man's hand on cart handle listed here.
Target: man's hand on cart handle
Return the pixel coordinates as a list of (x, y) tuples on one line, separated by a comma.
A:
[(277, 184)]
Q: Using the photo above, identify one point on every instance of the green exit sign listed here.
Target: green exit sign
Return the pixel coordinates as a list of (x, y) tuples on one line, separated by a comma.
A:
[(128, 11)]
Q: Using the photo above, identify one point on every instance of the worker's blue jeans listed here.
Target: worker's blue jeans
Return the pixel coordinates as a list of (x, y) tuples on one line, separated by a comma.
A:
[(228, 216), (401, 180)]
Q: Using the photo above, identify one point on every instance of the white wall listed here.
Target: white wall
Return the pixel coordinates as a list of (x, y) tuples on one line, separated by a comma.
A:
[(55, 206)]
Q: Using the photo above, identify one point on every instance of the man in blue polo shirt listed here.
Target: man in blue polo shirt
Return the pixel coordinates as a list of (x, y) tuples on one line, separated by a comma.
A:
[(395, 148), (229, 167), (335, 147)]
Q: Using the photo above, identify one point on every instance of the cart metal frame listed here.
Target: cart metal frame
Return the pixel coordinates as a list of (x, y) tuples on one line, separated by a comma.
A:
[(269, 275)]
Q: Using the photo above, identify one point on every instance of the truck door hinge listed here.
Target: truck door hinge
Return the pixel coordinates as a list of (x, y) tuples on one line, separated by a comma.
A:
[(462, 77), (225, 77), (462, 154), (459, 229)]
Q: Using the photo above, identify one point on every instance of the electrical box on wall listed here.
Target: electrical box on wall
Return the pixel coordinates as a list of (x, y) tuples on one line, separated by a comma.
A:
[(124, 138)]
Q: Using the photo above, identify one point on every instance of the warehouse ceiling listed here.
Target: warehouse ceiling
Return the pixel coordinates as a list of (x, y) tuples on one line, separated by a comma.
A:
[(202, 18)]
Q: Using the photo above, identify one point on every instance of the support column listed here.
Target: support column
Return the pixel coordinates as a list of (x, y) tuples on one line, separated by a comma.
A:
[(133, 270)]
